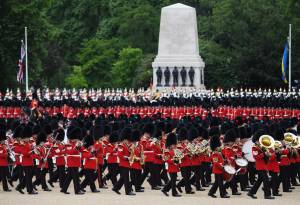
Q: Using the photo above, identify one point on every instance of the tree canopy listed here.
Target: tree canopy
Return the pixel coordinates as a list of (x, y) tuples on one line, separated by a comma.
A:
[(111, 43)]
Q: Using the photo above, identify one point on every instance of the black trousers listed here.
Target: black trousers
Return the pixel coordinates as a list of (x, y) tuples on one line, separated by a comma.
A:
[(135, 176), (171, 184), (100, 178), (262, 178), (274, 182), (113, 171), (164, 174), (4, 174), (284, 178), (50, 168), (18, 173), (156, 174), (207, 172), (232, 184), (251, 172), (195, 179), (72, 174), (293, 173), (218, 184), (60, 175), (298, 170), (27, 179), (244, 180), (185, 181), (124, 180), (40, 177), (148, 168), (90, 178)]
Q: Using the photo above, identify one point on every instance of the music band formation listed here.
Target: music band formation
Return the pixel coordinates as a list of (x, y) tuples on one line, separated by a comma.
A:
[(175, 154)]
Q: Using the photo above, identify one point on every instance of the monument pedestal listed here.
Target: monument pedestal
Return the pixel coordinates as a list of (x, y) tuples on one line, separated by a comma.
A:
[(178, 48)]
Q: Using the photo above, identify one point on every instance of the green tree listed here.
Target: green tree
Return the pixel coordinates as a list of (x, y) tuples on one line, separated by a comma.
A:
[(76, 79), (124, 69)]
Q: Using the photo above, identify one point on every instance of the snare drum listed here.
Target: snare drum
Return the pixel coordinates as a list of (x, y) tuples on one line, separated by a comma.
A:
[(228, 173), (241, 165)]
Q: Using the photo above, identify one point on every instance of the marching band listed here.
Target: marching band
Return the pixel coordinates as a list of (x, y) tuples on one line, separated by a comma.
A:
[(196, 154)]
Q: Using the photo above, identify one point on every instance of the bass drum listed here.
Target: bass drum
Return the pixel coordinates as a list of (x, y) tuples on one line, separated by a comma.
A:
[(228, 173), (247, 150)]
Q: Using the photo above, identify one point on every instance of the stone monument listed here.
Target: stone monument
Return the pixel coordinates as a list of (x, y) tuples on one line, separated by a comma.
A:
[(178, 49)]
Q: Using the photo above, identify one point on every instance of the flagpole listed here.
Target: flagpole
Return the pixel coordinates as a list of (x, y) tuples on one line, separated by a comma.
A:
[(290, 56), (26, 61)]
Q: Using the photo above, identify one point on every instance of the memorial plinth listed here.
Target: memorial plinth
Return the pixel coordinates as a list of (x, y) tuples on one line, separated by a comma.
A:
[(178, 63)]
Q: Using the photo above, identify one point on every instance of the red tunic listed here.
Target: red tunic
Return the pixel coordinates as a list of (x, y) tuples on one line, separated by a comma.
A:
[(284, 158), (137, 153), (111, 153), (123, 154), (172, 167), (3, 156), (217, 162), (89, 159), (58, 153), (273, 164), (26, 155), (73, 155), (258, 155), (100, 152)]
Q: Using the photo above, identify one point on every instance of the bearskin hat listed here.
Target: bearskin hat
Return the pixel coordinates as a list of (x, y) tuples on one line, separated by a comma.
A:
[(192, 134), (257, 135), (106, 130), (74, 133), (42, 137), (36, 129), (88, 141), (157, 133), (47, 129), (59, 134), (242, 132), (214, 131), (229, 136), (2, 134), (96, 132), (135, 135), (113, 137), (215, 142), (171, 139), (204, 134), (18, 131), (148, 128), (182, 134), (27, 132), (168, 127), (125, 134)]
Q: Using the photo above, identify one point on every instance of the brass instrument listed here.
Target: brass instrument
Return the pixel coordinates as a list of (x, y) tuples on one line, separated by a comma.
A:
[(202, 147), (132, 156), (289, 138), (296, 142), (192, 149), (277, 145), (142, 156), (178, 155), (266, 142)]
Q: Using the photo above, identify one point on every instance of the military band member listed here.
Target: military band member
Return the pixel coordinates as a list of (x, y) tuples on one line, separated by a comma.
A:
[(4, 174), (112, 157), (261, 156), (217, 169), (123, 155), (172, 164), (73, 154)]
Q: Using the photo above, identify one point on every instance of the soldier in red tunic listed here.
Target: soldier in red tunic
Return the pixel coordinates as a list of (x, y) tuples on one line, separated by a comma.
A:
[(73, 154), (261, 157), (217, 169), (172, 165), (124, 154), (112, 157), (3, 160), (136, 160), (90, 164)]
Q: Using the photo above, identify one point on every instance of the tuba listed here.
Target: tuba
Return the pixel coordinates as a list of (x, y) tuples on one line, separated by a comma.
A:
[(192, 149), (277, 145), (266, 142), (289, 138)]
